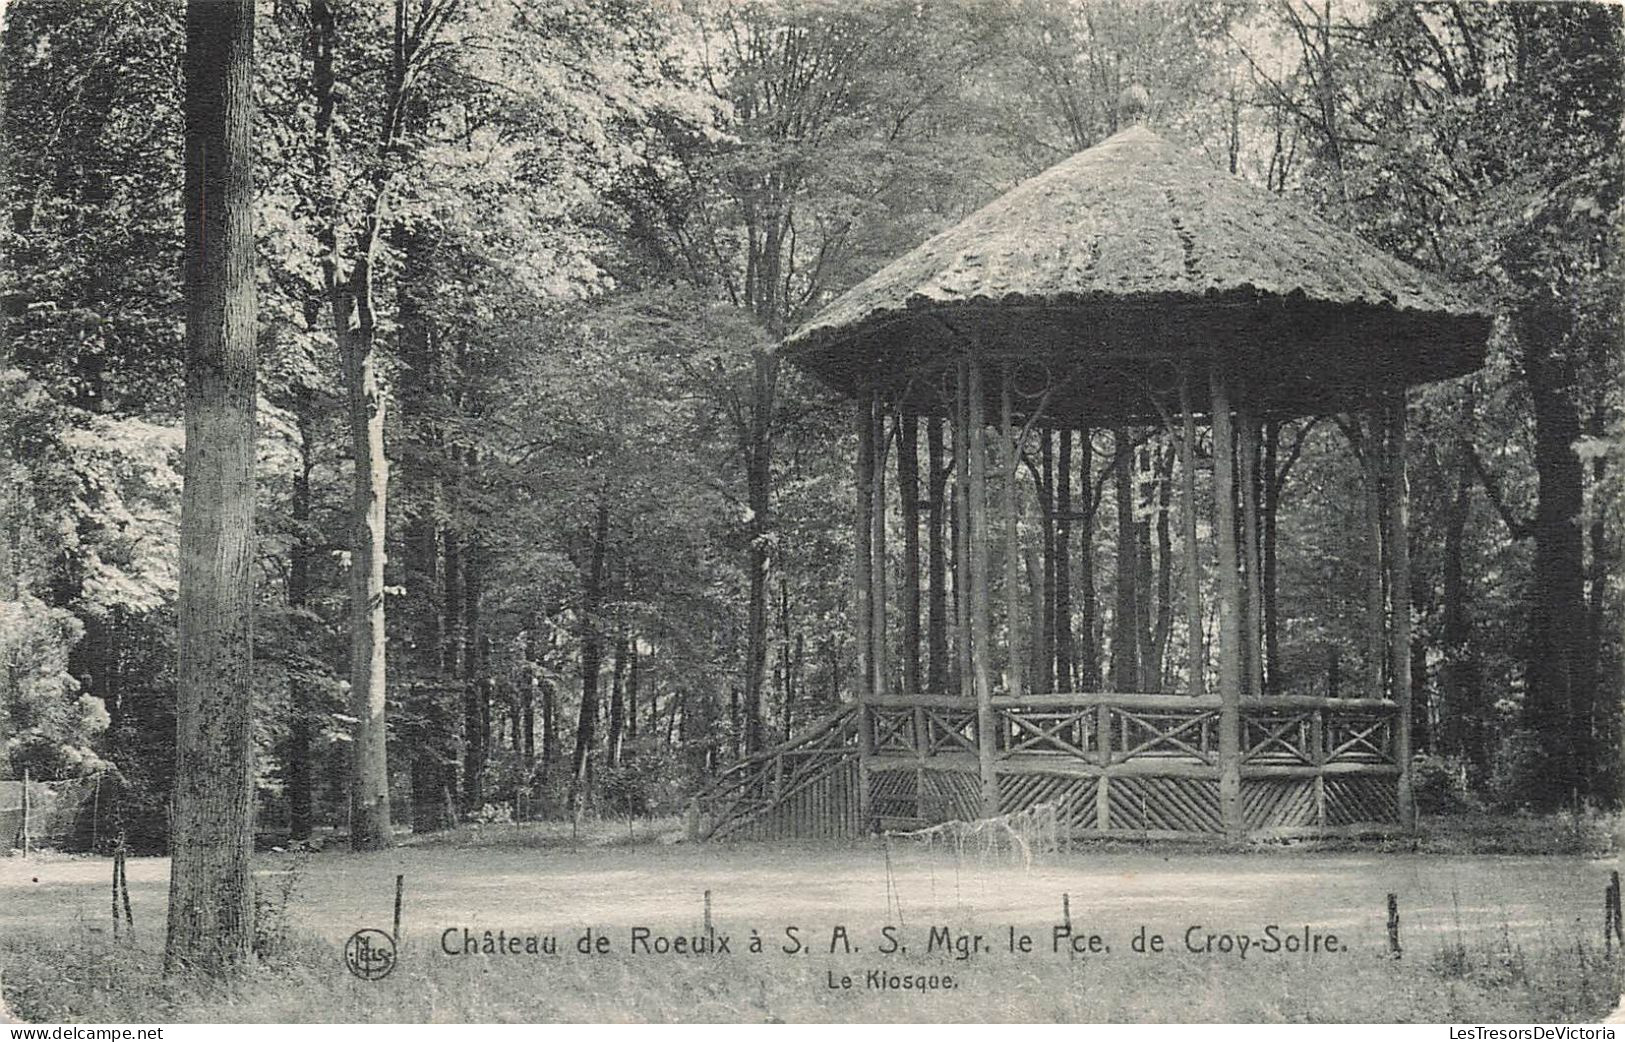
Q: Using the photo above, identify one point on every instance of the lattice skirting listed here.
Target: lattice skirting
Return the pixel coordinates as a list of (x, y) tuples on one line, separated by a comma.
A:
[(1176, 804), (1362, 800), (950, 795), (1272, 803), (1073, 796)]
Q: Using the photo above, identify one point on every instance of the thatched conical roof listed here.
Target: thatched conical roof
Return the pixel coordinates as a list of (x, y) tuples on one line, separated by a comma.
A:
[(1105, 271)]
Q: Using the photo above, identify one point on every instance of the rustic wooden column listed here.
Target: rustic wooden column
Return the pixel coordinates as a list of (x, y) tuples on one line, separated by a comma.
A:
[(936, 560), (1371, 459), (1193, 559), (980, 587), (908, 492), (1399, 585), (1247, 431), (962, 568), (881, 632), (1064, 672), (862, 591), (1010, 461), (1224, 494)]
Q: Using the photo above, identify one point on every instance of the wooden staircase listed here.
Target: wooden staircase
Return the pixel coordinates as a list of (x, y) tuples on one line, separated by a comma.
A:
[(805, 788)]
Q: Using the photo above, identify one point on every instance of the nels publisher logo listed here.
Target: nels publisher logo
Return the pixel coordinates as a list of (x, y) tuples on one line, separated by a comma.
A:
[(370, 954)]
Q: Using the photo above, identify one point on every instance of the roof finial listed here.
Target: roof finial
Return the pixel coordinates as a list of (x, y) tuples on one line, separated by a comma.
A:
[(1133, 105)]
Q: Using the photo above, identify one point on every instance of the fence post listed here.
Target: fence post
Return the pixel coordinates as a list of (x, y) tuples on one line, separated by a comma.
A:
[(1393, 926), (1612, 928)]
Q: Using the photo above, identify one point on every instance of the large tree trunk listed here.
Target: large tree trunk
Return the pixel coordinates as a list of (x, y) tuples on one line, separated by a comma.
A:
[(370, 827), (1559, 703), (211, 891)]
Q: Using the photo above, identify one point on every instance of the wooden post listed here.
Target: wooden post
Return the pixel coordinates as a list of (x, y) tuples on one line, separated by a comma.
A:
[(26, 806), (1394, 949), (1193, 559), (1317, 755), (962, 568), (1248, 434), (1066, 677), (1399, 585), (400, 887), (1224, 493), (908, 491), (862, 590), (1010, 461), (1372, 460), (877, 571), (936, 560), (1610, 902), (981, 643)]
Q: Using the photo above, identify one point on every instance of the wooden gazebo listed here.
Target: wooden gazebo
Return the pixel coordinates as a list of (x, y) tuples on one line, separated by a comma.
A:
[(1128, 286)]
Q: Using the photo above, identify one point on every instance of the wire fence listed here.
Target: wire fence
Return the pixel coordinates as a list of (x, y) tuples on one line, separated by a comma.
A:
[(56, 814)]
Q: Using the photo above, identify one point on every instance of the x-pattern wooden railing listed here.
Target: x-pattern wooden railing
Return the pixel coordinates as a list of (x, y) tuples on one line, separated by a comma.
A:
[(1360, 739), (1100, 729), (949, 730), (1037, 731), (1278, 737), (1165, 734)]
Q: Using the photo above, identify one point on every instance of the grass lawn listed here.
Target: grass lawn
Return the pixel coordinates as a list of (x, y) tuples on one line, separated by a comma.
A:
[(1486, 936)]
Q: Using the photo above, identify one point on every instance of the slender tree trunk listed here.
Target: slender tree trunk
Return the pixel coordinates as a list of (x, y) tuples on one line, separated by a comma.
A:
[(632, 693), (1088, 665), (759, 488), (301, 715), (617, 704), (1457, 675), (454, 636), (1273, 483), (1125, 616), (429, 738), (787, 683), (211, 891), (591, 655), (476, 700), (1163, 630), (354, 329)]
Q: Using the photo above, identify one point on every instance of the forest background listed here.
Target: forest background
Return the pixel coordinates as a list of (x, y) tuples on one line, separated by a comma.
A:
[(522, 266)]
